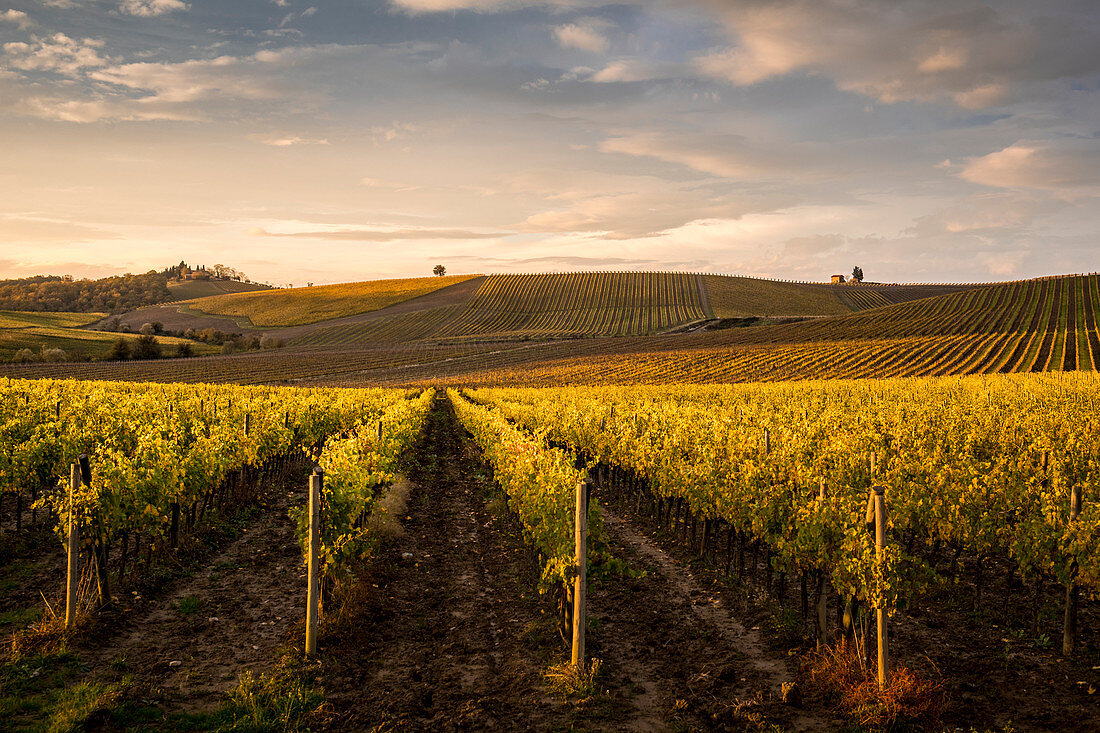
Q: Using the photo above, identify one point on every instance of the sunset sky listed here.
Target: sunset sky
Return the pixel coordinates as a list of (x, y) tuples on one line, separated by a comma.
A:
[(339, 140)]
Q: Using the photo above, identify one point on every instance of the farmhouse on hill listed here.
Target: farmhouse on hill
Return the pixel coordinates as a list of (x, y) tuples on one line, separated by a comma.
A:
[(838, 279)]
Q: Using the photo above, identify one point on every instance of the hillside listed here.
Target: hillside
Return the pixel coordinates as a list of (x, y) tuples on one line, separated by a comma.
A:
[(44, 331), (191, 289), (58, 293), (299, 306), (509, 329), (515, 307), (1048, 324)]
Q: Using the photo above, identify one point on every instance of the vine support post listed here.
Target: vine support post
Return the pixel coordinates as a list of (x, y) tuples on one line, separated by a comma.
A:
[(822, 595), (580, 579), (880, 610), (72, 578), (316, 483), (1069, 628)]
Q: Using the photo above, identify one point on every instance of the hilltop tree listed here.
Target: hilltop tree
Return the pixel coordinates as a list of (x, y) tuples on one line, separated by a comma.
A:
[(857, 274), (439, 270)]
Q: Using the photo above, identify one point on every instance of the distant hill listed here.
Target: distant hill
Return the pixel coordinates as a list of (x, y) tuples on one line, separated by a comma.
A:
[(191, 289), (115, 294), (476, 331), (298, 306), (58, 293), (519, 307)]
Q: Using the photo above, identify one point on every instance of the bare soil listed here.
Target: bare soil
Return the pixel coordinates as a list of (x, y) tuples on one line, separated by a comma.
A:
[(994, 675), (236, 612), (449, 633)]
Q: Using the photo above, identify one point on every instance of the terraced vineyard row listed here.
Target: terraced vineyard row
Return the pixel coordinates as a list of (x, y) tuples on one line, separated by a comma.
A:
[(542, 306), (252, 368), (610, 304)]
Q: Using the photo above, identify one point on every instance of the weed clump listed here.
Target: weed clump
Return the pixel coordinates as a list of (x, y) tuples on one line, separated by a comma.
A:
[(908, 699), (566, 681)]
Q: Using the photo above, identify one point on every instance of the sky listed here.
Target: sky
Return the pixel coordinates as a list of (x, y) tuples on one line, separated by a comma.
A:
[(339, 140)]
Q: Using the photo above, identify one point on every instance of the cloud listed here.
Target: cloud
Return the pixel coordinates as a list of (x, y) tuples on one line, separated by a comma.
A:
[(256, 77), (583, 35), (286, 141), (18, 17), (87, 111), (634, 70), (380, 235), (57, 53), (488, 6), (974, 56), (151, 8), (727, 156), (36, 228), (396, 131), (1061, 164)]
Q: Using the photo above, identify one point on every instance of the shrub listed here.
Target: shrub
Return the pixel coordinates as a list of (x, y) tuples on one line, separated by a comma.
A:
[(147, 347), (24, 356), (185, 350), (270, 342), (120, 350), (54, 355)]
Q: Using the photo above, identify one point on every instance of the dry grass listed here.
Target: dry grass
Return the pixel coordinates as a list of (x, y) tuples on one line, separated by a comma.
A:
[(908, 700), (52, 319), (733, 297), (385, 521), (566, 681), (299, 306)]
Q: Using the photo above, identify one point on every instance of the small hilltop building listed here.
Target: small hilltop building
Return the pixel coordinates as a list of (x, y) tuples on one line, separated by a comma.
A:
[(838, 279)]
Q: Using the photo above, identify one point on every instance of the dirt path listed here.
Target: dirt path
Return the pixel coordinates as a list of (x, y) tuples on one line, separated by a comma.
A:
[(451, 633), (673, 643), (234, 613)]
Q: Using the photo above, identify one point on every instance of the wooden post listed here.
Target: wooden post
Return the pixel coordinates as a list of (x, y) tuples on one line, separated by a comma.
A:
[(767, 441), (174, 527), (72, 579), (316, 482), (247, 423), (1069, 627), (822, 595), (580, 585), (880, 610)]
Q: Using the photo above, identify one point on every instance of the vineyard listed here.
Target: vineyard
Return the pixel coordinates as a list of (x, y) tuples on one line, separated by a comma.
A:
[(311, 304), (989, 516), (560, 330)]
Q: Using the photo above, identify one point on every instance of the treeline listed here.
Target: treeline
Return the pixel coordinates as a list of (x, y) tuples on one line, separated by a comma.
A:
[(116, 294), (230, 342)]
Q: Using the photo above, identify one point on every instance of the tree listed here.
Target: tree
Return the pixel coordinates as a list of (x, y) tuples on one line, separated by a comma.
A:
[(439, 270), (146, 347), (120, 350), (857, 274)]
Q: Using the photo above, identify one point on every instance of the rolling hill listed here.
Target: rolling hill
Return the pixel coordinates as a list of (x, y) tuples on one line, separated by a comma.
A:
[(508, 330), (518, 307)]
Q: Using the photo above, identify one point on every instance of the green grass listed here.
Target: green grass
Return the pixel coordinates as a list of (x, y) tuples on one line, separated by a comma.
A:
[(77, 342), (299, 306), (19, 618), (24, 319), (189, 605), (43, 693)]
